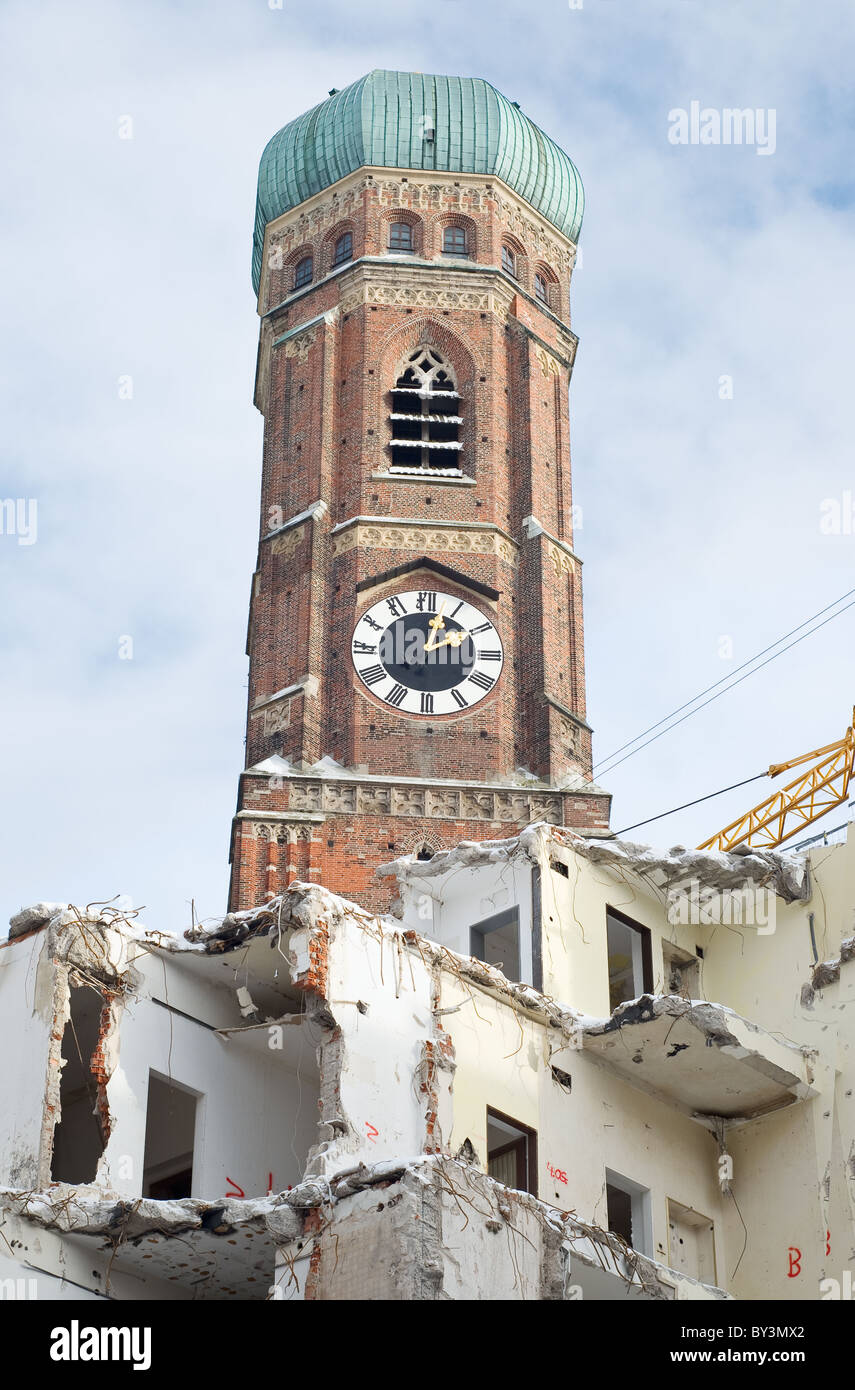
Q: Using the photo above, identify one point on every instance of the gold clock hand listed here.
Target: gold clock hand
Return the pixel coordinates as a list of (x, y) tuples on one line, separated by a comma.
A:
[(454, 639), (435, 623)]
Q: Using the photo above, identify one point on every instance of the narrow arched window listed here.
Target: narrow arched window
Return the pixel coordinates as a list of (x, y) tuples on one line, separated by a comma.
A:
[(425, 416), (540, 290), (509, 261), (303, 273), (400, 236), (454, 242), (343, 249)]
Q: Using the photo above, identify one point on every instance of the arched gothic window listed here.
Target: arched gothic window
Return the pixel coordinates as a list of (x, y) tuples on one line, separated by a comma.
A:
[(424, 417)]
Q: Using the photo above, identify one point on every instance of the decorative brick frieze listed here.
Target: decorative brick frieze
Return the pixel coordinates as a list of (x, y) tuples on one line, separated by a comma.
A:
[(414, 535)]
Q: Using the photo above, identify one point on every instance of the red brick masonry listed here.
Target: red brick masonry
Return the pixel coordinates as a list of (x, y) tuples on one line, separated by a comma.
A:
[(338, 533)]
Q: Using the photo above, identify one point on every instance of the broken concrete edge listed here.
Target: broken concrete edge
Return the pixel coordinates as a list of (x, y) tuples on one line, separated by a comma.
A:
[(785, 874), (300, 904), (827, 972), (290, 1216), (316, 911), (59, 916), (470, 854), (722, 1028), (588, 1244), (32, 918), (710, 1019), (86, 1211)]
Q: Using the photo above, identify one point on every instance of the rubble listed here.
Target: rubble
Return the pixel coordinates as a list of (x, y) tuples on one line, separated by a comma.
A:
[(786, 874), (469, 854), (827, 972), (32, 918), (87, 1211)]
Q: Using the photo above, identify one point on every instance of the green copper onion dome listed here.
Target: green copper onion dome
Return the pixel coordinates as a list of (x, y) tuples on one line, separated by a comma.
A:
[(386, 119)]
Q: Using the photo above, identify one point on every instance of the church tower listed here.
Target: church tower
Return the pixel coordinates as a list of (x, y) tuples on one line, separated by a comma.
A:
[(415, 638)]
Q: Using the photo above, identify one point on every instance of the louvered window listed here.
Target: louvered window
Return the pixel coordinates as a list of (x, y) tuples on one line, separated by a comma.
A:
[(425, 416)]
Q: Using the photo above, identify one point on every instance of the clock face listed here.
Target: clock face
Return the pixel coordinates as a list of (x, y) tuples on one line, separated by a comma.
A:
[(425, 652)]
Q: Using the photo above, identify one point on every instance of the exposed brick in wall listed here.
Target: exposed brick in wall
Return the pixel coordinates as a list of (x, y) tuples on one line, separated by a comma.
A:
[(504, 527), (99, 1065)]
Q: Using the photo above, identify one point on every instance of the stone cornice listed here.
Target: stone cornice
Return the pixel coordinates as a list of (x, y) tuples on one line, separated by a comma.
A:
[(560, 553), (567, 713), (314, 512), (306, 685), (316, 796)]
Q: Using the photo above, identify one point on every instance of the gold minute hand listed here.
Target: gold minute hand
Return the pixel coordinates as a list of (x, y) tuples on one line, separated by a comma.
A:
[(435, 623)]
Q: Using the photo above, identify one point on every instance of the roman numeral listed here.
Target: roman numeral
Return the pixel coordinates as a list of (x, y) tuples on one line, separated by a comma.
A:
[(372, 674), (395, 607), (426, 601), (484, 682), (396, 695), (457, 610), (455, 695), (488, 656), (485, 627), (377, 627), (366, 648), (427, 704)]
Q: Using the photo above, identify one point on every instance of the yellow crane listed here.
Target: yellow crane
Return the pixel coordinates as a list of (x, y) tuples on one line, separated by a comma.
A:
[(801, 802)]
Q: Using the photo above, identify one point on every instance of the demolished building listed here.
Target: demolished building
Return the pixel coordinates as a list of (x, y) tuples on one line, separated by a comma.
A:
[(453, 1040), (545, 1077)]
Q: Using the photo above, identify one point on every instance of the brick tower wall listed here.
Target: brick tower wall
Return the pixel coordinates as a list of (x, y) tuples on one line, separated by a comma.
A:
[(339, 532)]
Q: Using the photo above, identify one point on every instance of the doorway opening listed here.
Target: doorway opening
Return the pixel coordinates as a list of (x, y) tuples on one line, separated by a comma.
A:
[(170, 1136)]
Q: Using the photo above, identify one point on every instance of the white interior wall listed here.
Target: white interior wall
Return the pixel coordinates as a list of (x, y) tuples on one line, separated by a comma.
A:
[(445, 907), (25, 1025), (383, 1045), (257, 1113)]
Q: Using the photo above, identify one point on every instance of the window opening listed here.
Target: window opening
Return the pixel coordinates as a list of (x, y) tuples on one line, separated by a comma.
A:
[(424, 417)]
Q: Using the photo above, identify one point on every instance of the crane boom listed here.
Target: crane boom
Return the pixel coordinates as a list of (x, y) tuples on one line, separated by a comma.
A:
[(804, 800)]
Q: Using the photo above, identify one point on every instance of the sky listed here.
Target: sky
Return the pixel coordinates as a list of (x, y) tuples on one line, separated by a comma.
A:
[(129, 436)]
